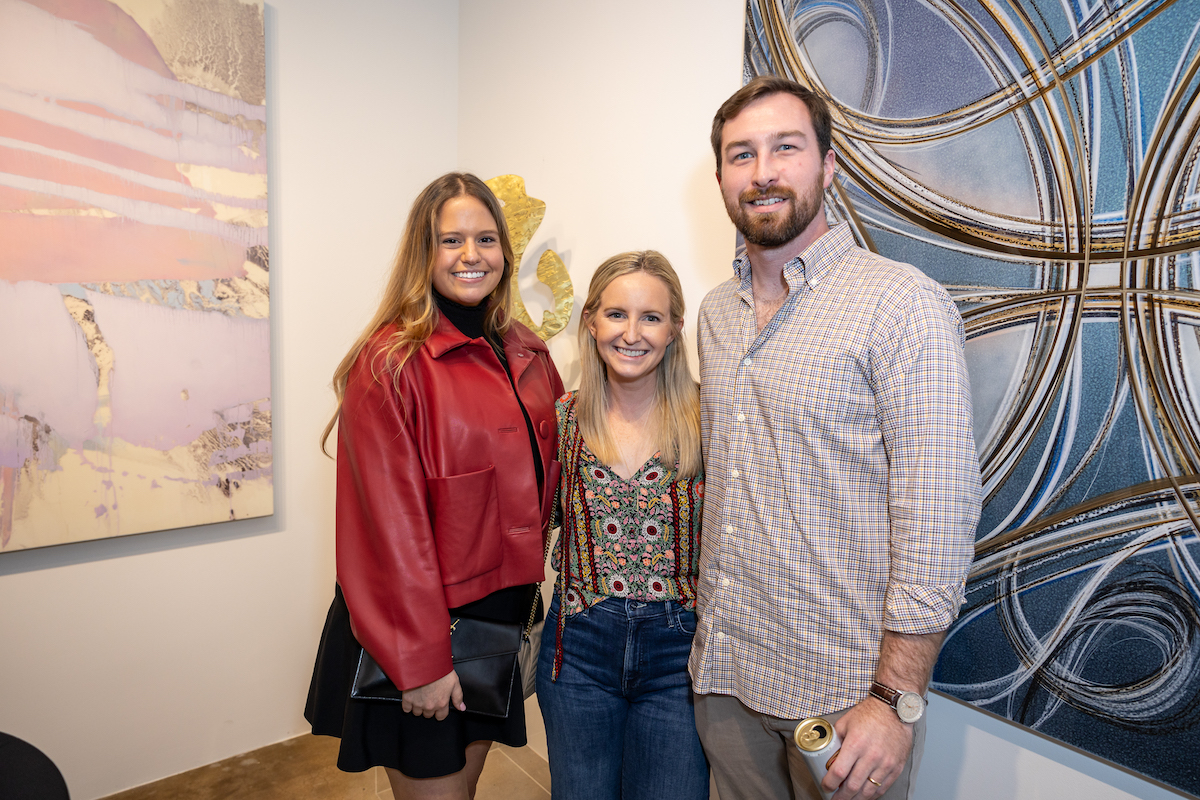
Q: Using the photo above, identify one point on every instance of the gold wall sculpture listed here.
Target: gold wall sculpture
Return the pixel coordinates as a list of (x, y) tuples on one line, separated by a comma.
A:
[(524, 214)]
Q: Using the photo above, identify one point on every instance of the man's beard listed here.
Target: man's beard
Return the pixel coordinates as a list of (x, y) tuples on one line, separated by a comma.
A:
[(775, 230)]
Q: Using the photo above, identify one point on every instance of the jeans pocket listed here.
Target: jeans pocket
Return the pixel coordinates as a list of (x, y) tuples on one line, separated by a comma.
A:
[(684, 620)]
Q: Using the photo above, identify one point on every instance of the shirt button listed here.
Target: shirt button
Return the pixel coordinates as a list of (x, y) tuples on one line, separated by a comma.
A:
[(720, 634), (724, 581), (747, 362), (733, 473), (741, 417), (729, 529)]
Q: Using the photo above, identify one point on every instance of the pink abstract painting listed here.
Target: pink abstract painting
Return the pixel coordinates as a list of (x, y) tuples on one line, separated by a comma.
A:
[(135, 352)]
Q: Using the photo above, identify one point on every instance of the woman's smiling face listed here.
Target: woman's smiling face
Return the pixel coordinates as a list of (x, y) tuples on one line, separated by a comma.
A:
[(470, 261), (632, 326)]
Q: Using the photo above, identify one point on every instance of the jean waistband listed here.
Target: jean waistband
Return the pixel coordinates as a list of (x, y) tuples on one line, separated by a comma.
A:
[(640, 609)]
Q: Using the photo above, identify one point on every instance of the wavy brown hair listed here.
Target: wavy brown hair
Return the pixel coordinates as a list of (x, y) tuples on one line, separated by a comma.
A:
[(408, 302), (764, 86), (678, 396)]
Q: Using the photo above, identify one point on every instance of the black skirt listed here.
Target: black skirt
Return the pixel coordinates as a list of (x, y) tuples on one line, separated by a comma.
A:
[(379, 733)]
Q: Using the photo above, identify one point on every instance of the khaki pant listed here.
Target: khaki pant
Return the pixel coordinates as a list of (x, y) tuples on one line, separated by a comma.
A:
[(753, 756)]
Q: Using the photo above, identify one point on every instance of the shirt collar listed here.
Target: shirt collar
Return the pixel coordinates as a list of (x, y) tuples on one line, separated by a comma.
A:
[(813, 263)]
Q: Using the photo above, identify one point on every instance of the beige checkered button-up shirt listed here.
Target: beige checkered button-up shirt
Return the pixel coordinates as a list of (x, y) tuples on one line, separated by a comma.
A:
[(842, 479)]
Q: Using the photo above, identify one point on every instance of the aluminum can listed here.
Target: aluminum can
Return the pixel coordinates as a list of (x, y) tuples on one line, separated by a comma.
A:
[(819, 743)]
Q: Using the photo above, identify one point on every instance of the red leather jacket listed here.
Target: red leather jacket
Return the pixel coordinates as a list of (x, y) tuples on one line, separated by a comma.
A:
[(437, 498)]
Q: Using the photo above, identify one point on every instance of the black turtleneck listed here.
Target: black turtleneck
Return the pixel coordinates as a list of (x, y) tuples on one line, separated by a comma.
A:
[(469, 321)]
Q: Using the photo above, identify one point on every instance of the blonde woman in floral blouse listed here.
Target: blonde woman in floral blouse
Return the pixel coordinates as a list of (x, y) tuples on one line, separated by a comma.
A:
[(612, 675)]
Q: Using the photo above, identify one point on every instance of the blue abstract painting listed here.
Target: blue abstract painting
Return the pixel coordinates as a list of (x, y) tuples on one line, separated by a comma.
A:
[(1040, 159)]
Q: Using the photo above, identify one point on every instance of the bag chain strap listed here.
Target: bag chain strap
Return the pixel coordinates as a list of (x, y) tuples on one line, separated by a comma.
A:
[(538, 591)]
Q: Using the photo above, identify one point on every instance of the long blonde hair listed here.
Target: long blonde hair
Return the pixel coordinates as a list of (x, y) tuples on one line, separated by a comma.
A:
[(408, 299), (678, 396)]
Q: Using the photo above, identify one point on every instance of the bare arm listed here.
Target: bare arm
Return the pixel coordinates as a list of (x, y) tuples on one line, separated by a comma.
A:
[(906, 660)]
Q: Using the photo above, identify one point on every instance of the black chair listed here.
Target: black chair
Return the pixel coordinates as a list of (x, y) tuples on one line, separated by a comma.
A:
[(27, 773)]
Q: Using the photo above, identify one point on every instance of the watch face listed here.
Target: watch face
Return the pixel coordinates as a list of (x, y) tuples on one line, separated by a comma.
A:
[(910, 706)]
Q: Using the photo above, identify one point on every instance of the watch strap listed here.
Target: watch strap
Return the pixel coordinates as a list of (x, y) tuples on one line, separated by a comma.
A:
[(885, 693)]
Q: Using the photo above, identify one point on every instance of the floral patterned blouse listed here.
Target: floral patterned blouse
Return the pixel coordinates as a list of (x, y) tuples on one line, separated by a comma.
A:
[(636, 538)]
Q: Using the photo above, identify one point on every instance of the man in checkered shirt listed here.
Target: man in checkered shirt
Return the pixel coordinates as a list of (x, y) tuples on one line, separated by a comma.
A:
[(842, 483)]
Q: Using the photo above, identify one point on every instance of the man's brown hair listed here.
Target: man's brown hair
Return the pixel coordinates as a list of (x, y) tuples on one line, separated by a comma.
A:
[(763, 86)]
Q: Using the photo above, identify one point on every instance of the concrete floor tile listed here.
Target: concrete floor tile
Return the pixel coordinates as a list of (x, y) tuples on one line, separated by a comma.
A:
[(383, 789), (305, 768), (504, 779), (529, 762)]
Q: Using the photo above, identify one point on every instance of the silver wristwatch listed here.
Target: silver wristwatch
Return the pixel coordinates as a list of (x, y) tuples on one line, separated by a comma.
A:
[(909, 706)]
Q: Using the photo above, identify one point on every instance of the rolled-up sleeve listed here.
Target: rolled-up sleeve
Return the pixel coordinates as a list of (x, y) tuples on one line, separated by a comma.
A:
[(924, 407)]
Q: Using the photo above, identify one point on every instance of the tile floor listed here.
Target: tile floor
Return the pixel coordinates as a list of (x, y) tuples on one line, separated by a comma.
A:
[(304, 769)]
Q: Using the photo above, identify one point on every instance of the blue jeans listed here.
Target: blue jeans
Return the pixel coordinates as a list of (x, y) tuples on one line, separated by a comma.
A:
[(619, 719)]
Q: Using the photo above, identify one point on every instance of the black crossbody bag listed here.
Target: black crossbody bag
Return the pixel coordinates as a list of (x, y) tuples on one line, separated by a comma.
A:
[(484, 653)]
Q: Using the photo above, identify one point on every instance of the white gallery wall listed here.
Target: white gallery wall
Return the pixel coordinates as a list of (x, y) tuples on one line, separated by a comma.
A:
[(604, 109), (128, 660)]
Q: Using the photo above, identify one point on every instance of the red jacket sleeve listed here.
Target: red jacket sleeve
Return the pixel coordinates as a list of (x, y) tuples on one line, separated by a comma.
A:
[(387, 560)]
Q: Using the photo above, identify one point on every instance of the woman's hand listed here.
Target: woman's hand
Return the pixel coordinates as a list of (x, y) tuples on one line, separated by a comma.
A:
[(434, 699)]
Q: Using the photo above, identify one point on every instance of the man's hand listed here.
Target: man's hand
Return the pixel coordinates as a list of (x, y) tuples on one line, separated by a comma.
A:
[(434, 699), (875, 747), (875, 743)]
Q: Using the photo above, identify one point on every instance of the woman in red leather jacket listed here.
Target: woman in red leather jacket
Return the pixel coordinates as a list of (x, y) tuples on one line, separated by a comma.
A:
[(446, 475)]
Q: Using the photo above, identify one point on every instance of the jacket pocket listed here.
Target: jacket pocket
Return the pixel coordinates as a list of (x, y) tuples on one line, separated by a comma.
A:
[(464, 511)]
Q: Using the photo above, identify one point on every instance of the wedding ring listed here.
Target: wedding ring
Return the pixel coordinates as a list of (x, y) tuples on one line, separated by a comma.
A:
[(877, 783)]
